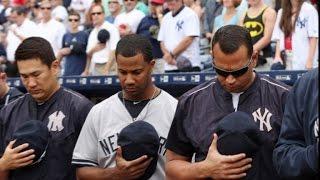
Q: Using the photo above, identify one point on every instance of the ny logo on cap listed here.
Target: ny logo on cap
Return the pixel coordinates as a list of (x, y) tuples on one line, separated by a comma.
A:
[(263, 118), (55, 121)]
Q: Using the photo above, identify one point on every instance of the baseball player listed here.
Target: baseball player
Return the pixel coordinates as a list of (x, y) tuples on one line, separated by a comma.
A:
[(236, 88), (61, 110), (96, 154)]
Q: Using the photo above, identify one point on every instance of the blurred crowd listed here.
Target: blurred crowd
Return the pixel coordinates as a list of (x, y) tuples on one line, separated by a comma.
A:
[(84, 33)]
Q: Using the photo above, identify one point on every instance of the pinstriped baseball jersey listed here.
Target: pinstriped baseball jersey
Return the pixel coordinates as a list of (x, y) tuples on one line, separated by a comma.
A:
[(97, 142)]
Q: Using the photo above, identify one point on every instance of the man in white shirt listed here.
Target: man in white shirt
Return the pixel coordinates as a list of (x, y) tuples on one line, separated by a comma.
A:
[(59, 12), (128, 21), (49, 28), (179, 35), (100, 56), (20, 30)]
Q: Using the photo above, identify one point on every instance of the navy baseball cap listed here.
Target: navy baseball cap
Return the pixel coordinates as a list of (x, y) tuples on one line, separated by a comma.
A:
[(237, 133), (137, 139), (103, 36), (277, 66), (36, 134), (183, 63)]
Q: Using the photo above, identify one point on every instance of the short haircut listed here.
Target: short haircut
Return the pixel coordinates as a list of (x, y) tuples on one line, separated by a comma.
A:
[(72, 12), (133, 44), (35, 48), (20, 10), (231, 37), (96, 4)]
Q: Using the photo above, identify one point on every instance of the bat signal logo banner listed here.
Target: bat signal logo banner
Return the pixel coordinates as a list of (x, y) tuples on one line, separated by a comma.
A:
[(254, 27)]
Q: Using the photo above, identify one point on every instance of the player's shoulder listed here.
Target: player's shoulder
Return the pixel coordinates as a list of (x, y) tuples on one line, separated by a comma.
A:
[(74, 97), (199, 91), (267, 82)]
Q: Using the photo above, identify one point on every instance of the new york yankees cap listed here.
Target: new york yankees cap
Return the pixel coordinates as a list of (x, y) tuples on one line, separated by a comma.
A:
[(36, 134), (238, 133), (137, 139)]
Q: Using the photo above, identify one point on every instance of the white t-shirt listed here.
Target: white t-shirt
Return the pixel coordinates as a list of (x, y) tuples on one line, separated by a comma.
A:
[(174, 29), (53, 32), (235, 100), (27, 29), (305, 27), (97, 142), (133, 18), (102, 56)]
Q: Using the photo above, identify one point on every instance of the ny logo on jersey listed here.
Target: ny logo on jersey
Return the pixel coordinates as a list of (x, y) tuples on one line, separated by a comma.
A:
[(301, 23), (55, 121), (179, 25), (264, 119)]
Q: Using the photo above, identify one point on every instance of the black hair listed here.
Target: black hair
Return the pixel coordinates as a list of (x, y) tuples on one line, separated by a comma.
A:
[(20, 10), (35, 48), (133, 44), (231, 37)]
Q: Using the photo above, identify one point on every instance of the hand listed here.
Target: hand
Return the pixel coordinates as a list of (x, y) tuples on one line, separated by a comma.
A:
[(85, 73), (169, 59), (131, 169), (14, 158), (208, 35), (309, 65), (220, 166), (159, 10), (124, 29), (65, 51), (277, 59), (97, 47)]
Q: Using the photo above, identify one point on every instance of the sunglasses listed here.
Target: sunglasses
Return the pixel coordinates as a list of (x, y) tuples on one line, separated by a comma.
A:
[(96, 13), (73, 20), (129, 0), (47, 8), (236, 73)]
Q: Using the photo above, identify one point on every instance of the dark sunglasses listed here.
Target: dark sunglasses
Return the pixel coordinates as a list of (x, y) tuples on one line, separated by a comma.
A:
[(73, 20), (236, 73), (47, 8), (96, 13), (129, 0)]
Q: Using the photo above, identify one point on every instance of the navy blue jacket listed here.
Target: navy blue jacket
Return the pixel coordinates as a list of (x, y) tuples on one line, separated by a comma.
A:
[(64, 106), (297, 152), (200, 109), (12, 94)]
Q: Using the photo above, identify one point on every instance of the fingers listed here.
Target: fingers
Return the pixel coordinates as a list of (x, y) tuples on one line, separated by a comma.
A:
[(25, 164), (25, 159), (10, 145), (213, 146), (20, 147), (144, 165), (234, 158), (138, 160), (25, 153), (235, 176), (240, 170), (241, 163)]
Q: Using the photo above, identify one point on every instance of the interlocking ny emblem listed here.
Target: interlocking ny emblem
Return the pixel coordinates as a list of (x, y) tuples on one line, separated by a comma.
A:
[(55, 121), (179, 25), (264, 119)]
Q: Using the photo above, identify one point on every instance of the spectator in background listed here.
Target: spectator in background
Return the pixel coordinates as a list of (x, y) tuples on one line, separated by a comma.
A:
[(296, 33), (149, 27), (82, 7), (115, 8), (7, 94), (59, 12), (231, 16), (127, 22), (213, 8), (179, 35), (194, 6), (296, 155), (21, 29), (49, 28), (141, 6), (100, 56), (259, 20), (4, 11), (74, 45)]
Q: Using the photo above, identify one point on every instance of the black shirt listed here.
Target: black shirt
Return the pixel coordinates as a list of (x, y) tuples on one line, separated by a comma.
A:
[(65, 106)]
